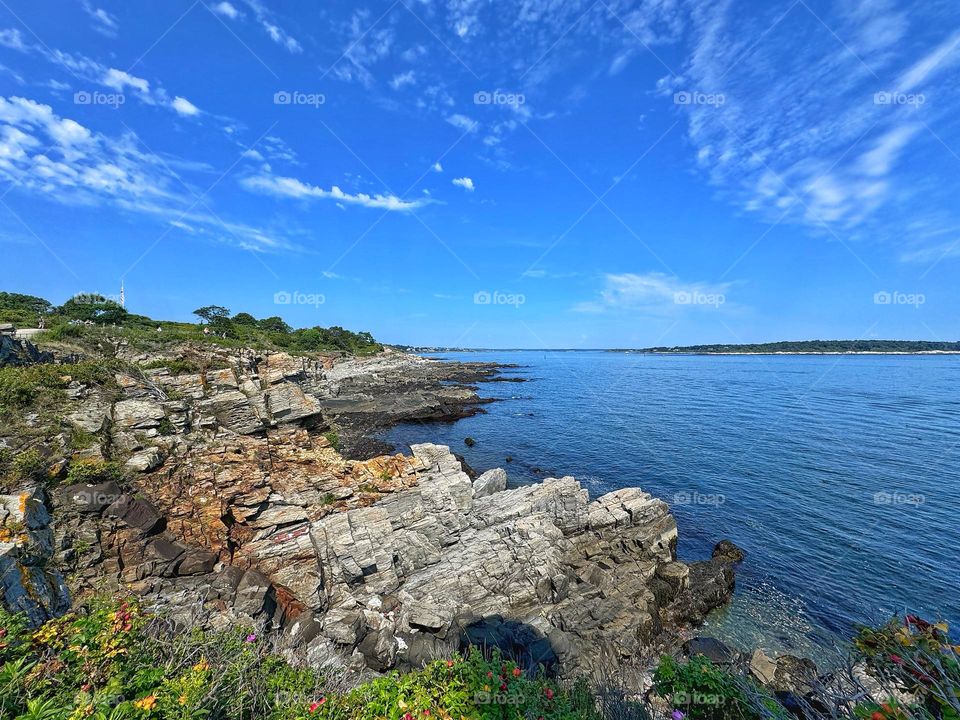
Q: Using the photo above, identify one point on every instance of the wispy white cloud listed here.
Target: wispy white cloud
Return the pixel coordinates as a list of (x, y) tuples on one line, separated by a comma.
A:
[(184, 107), (403, 79), (654, 293), (120, 80), (293, 188), (462, 122), (464, 182), (87, 70), (276, 33), (62, 161), (227, 10), (940, 58), (103, 22), (799, 126)]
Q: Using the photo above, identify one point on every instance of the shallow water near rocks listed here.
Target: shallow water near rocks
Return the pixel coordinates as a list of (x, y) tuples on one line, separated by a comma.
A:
[(837, 474)]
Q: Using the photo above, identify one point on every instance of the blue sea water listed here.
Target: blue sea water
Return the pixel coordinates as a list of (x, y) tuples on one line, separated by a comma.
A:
[(839, 475)]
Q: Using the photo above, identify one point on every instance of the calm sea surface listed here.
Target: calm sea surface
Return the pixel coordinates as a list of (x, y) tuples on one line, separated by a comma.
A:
[(839, 475)]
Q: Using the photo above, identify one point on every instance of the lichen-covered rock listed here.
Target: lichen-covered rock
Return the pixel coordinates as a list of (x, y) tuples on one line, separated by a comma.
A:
[(29, 580)]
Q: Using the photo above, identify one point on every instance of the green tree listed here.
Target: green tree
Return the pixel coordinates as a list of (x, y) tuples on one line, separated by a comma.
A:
[(212, 313), (274, 324), (91, 307), (244, 319)]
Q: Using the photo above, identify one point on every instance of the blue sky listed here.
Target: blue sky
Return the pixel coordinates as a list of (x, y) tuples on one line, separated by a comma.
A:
[(587, 173)]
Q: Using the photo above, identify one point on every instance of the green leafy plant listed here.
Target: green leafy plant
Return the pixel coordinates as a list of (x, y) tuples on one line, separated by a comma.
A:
[(700, 690)]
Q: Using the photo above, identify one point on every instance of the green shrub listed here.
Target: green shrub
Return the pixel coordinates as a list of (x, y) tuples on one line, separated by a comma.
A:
[(333, 438), (29, 465), (109, 659), (176, 367), (701, 690), (20, 386), (92, 472)]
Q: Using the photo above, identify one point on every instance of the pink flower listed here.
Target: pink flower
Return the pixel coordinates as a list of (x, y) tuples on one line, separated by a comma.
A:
[(517, 672), (549, 693), (251, 637)]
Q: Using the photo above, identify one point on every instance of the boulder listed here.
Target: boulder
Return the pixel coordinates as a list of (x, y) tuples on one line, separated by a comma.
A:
[(763, 667), (714, 650), (145, 460), (795, 675), (136, 513), (90, 498), (490, 482), (288, 403), (253, 595), (137, 414), (726, 551)]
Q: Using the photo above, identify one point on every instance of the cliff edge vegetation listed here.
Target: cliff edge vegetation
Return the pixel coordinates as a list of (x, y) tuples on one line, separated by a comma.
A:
[(89, 318)]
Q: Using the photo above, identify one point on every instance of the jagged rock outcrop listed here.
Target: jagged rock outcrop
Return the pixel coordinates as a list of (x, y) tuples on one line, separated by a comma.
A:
[(14, 351), (29, 581), (388, 576), (238, 507)]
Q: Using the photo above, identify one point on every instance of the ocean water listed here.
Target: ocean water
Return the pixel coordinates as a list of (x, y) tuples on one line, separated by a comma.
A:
[(839, 475)]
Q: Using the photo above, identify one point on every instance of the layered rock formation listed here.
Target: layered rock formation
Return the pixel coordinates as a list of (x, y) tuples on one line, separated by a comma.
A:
[(239, 509)]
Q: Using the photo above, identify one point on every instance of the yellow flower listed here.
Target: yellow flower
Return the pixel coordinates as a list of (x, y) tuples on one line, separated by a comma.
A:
[(182, 699), (146, 703), (201, 666), (402, 704)]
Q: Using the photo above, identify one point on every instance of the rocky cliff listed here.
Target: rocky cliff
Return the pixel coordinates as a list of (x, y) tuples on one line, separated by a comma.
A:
[(236, 506)]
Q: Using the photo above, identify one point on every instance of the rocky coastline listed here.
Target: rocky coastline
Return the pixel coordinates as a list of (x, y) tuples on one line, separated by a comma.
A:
[(252, 493)]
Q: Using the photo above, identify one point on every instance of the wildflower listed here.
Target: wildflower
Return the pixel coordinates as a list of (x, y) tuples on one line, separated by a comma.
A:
[(490, 674), (549, 693), (517, 672), (146, 703), (182, 700), (201, 666), (677, 715), (407, 716), (426, 713), (896, 659), (878, 716), (503, 686), (314, 706), (449, 663)]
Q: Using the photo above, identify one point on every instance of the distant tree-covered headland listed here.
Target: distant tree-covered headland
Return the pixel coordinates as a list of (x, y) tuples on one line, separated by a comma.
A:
[(815, 346), (89, 314)]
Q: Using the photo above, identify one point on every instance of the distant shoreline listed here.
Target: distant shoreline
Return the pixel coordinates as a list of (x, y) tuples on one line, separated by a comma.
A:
[(790, 352), (436, 351)]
